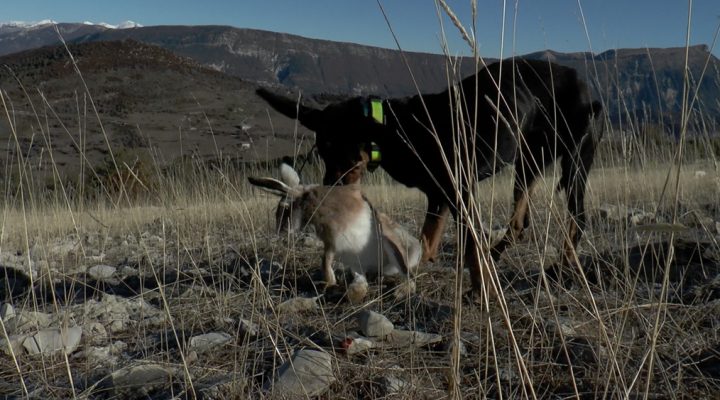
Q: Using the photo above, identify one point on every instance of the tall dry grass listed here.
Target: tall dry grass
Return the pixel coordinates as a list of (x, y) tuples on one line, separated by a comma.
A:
[(201, 212)]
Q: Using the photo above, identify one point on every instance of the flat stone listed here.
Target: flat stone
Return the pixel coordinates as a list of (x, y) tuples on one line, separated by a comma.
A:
[(403, 338), (14, 343), (297, 305), (24, 321), (7, 311), (373, 324), (308, 373), (140, 377), (49, 341), (209, 341), (101, 272)]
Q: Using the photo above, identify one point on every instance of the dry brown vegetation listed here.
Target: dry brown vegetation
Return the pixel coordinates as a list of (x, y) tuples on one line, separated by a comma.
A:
[(203, 252)]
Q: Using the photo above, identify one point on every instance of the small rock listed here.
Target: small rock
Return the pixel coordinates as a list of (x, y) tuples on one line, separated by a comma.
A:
[(249, 328), (49, 341), (561, 326), (209, 341), (7, 311), (127, 270), (621, 213), (28, 320), (100, 356), (297, 305), (94, 332), (191, 357), (140, 377), (308, 373), (14, 342), (373, 324), (403, 338), (392, 385), (101, 272)]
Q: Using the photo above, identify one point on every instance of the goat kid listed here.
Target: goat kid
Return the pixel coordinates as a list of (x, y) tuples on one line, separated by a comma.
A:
[(351, 229)]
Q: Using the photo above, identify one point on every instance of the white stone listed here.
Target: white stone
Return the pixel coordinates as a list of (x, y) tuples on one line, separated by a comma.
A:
[(209, 341), (308, 373), (139, 377), (101, 272), (7, 311), (403, 338), (373, 324), (49, 341)]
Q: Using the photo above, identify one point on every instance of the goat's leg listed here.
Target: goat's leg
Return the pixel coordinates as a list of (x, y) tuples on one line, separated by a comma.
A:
[(328, 259), (575, 192), (523, 187), (433, 228), (476, 255), (575, 168)]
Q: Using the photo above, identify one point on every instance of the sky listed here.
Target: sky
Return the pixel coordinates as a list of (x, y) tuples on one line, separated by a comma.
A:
[(418, 25)]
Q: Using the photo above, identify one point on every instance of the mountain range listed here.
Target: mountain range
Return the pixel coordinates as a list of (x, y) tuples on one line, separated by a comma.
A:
[(190, 89)]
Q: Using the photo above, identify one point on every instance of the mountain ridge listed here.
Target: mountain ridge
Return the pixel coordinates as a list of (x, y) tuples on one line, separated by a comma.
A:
[(189, 91)]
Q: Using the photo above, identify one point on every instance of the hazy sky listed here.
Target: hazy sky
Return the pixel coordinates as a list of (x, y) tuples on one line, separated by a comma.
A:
[(530, 25)]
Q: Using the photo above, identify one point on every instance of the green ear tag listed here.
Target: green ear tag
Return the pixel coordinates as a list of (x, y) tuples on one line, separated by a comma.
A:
[(375, 157), (376, 108)]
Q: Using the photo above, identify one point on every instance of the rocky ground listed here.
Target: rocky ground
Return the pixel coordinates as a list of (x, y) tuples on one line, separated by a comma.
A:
[(148, 316)]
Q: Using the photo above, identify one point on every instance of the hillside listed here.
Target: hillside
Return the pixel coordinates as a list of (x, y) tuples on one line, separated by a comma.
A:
[(189, 90), (315, 66), (637, 85), (146, 97)]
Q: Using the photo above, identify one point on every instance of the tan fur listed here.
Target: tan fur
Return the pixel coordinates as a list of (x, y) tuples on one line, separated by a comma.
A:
[(345, 221)]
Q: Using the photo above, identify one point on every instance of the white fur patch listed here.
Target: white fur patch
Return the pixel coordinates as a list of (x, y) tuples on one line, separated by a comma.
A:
[(357, 235), (358, 247)]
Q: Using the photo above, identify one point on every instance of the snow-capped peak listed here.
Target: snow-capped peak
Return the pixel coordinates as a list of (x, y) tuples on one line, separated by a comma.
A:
[(122, 25), (28, 25), (24, 24)]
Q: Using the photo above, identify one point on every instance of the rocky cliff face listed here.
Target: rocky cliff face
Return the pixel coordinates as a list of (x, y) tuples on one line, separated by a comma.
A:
[(314, 66), (639, 84), (648, 84)]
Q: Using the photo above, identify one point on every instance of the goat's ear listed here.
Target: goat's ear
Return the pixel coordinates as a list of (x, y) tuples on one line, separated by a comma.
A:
[(271, 185), (291, 108), (289, 175)]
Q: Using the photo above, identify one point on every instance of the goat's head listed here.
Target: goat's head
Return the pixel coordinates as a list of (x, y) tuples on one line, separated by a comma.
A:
[(289, 215), (344, 133)]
